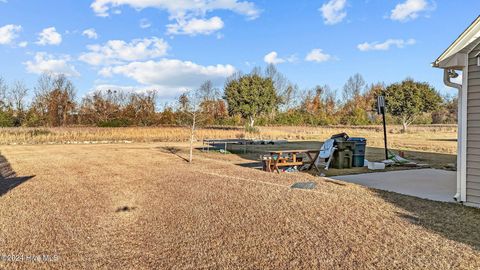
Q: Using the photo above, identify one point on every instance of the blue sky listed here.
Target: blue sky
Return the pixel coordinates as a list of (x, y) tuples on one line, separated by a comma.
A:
[(172, 45)]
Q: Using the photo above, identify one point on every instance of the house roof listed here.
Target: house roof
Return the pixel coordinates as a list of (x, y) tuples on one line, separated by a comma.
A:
[(466, 40)]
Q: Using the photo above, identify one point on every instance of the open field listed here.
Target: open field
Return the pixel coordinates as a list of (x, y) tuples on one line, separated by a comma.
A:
[(139, 206), (439, 139), (433, 145)]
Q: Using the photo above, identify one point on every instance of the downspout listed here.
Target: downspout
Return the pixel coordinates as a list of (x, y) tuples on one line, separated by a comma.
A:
[(448, 74)]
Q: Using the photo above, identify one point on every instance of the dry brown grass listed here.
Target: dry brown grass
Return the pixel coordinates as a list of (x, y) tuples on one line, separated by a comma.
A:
[(440, 139), (139, 206), (82, 135)]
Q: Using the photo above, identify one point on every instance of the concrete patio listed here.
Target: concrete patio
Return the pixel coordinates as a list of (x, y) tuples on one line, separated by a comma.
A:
[(432, 184)]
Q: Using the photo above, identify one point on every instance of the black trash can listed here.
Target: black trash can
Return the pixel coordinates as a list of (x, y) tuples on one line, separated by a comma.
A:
[(358, 151), (342, 137)]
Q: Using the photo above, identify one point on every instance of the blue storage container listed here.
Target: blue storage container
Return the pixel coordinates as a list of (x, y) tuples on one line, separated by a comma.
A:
[(358, 151)]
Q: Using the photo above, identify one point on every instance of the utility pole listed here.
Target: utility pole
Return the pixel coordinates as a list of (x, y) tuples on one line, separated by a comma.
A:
[(381, 110)]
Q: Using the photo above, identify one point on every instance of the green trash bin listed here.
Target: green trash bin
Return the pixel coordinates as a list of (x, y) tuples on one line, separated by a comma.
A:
[(343, 157)]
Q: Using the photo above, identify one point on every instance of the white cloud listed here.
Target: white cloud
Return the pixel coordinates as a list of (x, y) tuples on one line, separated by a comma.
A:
[(171, 73), (188, 15), (9, 33), (334, 11), (46, 63), (180, 9), (49, 36), (272, 58), (317, 55), (409, 10), (384, 46), (23, 44), (145, 23), (195, 27), (90, 33), (119, 51)]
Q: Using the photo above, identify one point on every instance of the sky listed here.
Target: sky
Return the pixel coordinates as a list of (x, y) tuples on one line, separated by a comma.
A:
[(174, 45)]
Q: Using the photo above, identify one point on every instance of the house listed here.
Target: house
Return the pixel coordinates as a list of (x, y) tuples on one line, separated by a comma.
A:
[(461, 65)]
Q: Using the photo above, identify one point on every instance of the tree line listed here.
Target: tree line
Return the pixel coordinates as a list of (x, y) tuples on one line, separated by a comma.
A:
[(54, 104), (261, 97)]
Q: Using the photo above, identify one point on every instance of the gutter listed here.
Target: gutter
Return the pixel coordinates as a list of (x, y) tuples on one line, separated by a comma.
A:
[(449, 74), (467, 35)]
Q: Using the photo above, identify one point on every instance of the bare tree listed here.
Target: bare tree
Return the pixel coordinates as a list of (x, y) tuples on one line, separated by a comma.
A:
[(212, 106), (4, 102), (190, 108), (353, 88), (183, 102), (54, 99), (329, 99), (285, 89), (41, 90), (279, 80), (141, 108), (61, 100), (289, 97), (208, 92), (256, 71), (17, 94)]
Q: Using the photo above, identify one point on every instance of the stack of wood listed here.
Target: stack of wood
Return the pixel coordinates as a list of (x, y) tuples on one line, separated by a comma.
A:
[(6, 170)]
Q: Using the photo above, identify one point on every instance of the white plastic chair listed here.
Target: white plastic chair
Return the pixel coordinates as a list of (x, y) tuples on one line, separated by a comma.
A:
[(326, 153)]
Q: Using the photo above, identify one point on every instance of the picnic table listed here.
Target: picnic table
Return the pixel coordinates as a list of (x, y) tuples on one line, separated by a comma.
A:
[(290, 158)]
